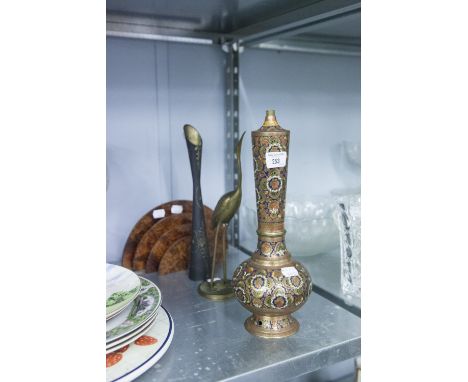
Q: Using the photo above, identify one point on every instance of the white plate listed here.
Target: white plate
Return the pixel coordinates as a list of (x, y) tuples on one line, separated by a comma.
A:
[(139, 312), (131, 334), (122, 286), (115, 313), (116, 345), (137, 359)]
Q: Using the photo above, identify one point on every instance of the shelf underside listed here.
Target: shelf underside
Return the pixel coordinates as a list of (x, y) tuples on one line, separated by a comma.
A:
[(328, 26)]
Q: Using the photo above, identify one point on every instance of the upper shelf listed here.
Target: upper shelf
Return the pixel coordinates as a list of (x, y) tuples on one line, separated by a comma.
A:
[(326, 26)]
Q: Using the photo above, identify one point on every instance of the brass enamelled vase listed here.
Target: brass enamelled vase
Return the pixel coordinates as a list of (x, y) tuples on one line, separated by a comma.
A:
[(271, 284)]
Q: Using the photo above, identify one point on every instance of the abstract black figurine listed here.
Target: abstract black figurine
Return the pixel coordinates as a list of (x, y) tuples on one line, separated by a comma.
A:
[(200, 254)]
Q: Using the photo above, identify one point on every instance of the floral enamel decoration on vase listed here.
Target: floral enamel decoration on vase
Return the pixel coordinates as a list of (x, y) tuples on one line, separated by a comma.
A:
[(271, 284)]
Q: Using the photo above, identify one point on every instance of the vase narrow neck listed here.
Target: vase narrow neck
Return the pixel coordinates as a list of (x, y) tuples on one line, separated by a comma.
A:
[(270, 189)]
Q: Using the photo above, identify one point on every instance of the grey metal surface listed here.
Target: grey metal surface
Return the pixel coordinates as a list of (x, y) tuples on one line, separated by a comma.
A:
[(157, 28), (313, 46), (232, 128), (206, 15), (211, 344), (249, 22), (349, 26), (216, 16), (340, 34), (297, 21), (343, 371)]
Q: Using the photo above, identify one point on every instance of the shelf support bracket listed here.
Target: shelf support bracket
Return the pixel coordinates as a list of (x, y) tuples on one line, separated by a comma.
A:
[(231, 69)]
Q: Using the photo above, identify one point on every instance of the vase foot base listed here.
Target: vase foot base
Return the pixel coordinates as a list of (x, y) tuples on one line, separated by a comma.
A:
[(220, 291), (271, 326)]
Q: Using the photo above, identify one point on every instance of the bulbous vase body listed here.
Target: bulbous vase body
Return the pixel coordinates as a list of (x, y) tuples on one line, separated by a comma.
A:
[(271, 284)]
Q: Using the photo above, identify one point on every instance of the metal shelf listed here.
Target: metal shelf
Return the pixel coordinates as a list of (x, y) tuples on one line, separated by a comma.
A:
[(333, 333), (211, 344), (327, 26)]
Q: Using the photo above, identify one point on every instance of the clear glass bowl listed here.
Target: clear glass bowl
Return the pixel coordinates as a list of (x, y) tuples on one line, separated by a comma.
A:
[(348, 219), (310, 228)]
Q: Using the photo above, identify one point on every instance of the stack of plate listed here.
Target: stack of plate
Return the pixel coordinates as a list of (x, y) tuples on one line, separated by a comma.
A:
[(138, 329)]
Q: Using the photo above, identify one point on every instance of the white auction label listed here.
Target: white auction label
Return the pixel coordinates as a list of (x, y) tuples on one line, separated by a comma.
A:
[(276, 159), (158, 214), (289, 271), (176, 209)]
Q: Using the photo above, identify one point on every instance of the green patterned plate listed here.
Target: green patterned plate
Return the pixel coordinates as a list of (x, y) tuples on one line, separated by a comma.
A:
[(129, 338), (142, 309), (122, 286)]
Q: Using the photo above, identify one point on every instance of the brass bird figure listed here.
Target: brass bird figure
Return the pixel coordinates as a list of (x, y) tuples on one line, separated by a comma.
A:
[(224, 211)]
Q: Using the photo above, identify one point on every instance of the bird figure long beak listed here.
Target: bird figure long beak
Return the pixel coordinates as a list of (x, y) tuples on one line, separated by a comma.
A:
[(239, 145)]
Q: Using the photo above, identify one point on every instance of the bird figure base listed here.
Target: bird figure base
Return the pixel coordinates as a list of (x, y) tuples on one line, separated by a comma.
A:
[(221, 290)]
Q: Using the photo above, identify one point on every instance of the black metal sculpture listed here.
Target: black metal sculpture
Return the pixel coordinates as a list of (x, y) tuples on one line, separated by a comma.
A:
[(200, 253)]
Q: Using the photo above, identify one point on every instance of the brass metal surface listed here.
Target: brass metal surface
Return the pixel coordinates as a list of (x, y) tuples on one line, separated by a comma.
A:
[(219, 290), (270, 119), (192, 135), (224, 211), (258, 325), (229, 203), (271, 234), (277, 131), (284, 261), (271, 284)]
